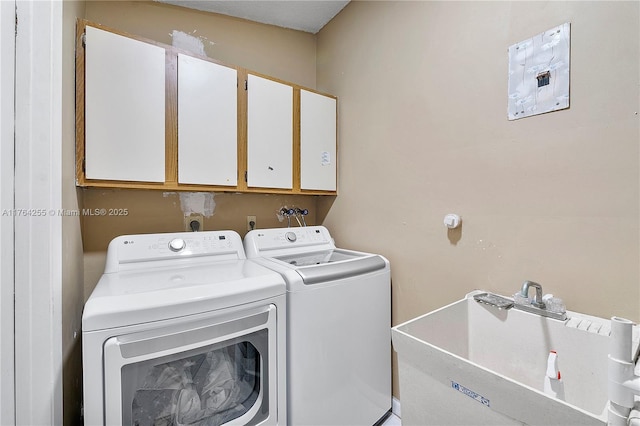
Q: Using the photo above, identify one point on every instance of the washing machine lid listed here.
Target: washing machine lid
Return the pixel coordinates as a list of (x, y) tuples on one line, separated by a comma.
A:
[(147, 280), (317, 257), (330, 265), (310, 252)]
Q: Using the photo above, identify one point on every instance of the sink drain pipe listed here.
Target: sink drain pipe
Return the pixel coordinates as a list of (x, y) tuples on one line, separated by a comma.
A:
[(623, 383)]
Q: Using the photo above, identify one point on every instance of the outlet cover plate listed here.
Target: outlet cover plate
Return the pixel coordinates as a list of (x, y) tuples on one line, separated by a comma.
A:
[(191, 218), (249, 220)]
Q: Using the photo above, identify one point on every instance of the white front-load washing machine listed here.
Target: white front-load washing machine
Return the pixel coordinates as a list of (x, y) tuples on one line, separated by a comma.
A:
[(338, 325), (181, 329)]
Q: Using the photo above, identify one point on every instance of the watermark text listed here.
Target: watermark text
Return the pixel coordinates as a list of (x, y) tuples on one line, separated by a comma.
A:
[(64, 212)]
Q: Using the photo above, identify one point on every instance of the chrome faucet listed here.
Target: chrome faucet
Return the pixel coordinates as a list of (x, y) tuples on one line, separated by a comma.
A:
[(555, 309), (537, 299)]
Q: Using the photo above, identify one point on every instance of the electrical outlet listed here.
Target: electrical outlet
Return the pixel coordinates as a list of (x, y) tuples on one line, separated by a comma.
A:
[(188, 219), (251, 219)]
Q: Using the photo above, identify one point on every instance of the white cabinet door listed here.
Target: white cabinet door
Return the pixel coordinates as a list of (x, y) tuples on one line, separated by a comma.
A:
[(124, 108), (207, 123), (269, 134), (317, 141)]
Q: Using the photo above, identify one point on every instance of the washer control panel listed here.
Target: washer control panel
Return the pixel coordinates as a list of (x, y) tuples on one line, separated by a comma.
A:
[(260, 241), (142, 248)]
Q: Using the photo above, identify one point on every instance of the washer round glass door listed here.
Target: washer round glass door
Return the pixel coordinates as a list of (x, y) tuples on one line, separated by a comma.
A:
[(210, 371)]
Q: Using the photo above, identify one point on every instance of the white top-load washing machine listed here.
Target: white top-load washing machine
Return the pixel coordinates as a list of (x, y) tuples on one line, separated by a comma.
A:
[(338, 325), (181, 329)]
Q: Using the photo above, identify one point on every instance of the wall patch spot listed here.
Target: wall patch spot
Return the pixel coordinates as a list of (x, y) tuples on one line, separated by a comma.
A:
[(197, 203), (188, 42)]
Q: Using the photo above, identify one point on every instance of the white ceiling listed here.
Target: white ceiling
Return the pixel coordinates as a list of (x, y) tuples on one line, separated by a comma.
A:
[(303, 15)]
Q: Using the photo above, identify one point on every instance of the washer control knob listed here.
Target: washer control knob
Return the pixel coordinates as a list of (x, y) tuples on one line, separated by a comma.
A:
[(291, 236), (177, 244)]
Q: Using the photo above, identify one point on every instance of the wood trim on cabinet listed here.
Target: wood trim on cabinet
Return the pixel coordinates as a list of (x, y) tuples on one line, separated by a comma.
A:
[(198, 188), (296, 138), (80, 66), (171, 118), (242, 130)]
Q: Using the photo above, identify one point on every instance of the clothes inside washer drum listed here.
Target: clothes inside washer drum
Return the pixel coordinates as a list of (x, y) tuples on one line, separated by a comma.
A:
[(203, 390)]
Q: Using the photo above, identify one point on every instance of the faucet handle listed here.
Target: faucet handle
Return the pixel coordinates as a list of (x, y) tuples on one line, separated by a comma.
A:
[(554, 304)]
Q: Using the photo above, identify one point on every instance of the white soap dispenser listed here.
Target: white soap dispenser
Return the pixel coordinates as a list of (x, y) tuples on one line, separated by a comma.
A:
[(553, 385)]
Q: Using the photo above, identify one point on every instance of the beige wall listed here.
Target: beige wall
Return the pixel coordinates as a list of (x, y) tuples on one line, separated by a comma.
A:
[(424, 132), (72, 267)]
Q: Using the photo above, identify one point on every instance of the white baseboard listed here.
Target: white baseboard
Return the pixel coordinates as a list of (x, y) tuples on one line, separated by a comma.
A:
[(395, 407)]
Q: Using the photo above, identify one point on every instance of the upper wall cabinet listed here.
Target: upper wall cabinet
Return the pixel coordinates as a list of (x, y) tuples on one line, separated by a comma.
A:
[(125, 109), (207, 123), (317, 141), (269, 133), (151, 116)]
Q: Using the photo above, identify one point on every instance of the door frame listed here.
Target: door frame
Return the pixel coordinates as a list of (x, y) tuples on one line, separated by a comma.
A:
[(38, 189), (7, 116)]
